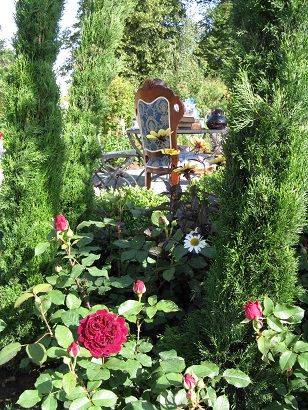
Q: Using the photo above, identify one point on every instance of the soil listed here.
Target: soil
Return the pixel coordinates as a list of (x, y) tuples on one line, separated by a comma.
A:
[(12, 384)]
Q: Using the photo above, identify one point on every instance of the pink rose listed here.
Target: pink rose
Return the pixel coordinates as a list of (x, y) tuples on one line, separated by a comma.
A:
[(60, 223), (253, 310), (74, 349), (139, 287), (1, 135), (189, 382), (102, 333)]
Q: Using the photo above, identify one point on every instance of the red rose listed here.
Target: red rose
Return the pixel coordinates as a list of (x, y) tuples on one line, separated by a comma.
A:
[(60, 223), (189, 382), (74, 349), (102, 333), (1, 135), (253, 310), (139, 287)]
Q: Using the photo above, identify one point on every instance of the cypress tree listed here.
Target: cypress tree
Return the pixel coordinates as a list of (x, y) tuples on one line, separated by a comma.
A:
[(95, 66), (29, 194), (263, 195)]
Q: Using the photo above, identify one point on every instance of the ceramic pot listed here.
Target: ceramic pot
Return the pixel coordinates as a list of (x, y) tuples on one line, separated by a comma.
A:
[(216, 121)]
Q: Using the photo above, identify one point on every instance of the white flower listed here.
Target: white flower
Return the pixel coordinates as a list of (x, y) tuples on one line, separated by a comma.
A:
[(194, 242)]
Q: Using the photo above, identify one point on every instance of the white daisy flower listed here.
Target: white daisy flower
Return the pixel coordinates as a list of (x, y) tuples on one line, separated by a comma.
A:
[(194, 242)]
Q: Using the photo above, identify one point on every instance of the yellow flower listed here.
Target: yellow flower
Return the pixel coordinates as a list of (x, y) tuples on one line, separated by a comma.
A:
[(186, 169), (199, 143), (161, 134), (170, 151)]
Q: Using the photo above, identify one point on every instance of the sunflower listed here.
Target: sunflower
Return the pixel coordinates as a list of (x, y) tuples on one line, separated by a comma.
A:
[(160, 135), (170, 151), (194, 242)]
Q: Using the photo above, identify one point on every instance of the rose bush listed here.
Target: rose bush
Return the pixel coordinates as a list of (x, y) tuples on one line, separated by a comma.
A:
[(102, 333)]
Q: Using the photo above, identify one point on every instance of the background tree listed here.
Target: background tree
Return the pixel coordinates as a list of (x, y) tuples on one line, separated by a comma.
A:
[(29, 194), (150, 35), (95, 66)]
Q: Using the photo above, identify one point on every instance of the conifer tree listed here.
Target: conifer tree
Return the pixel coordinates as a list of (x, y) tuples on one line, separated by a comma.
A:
[(32, 163), (95, 66)]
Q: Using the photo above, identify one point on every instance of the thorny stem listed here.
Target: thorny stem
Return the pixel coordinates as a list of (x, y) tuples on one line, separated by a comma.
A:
[(44, 317)]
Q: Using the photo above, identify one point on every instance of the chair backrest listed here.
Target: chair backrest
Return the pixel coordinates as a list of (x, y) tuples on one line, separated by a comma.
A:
[(157, 107)]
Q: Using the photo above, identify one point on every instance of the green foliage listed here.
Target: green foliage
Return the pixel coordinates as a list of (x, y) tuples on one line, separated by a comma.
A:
[(95, 66), (114, 381), (32, 164)]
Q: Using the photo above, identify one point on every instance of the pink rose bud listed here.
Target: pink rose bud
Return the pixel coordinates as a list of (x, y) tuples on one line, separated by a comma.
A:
[(253, 310), (189, 382), (192, 396), (1, 135), (60, 223), (74, 349), (139, 287)]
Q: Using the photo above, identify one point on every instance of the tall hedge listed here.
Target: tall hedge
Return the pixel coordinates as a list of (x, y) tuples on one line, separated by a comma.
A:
[(263, 196), (29, 194), (95, 66)]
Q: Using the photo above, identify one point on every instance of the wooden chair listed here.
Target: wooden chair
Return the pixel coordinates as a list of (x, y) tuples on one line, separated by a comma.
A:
[(157, 107)]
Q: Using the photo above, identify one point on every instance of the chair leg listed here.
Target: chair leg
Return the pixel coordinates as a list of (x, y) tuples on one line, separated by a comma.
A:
[(148, 179)]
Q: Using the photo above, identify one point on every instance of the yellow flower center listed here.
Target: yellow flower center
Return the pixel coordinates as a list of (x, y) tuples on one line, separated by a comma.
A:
[(194, 241)]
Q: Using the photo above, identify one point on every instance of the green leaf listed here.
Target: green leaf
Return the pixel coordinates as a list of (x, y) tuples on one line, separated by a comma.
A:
[(42, 288), (303, 361), (179, 251), (56, 297), (268, 306), (41, 248), (76, 271), (152, 300), (22, 298), (287, 360), (104, 398), (144, 359), (166, 381), (151, 311), (141, 256), (94, 271), (137, 241), (72, 301), (56, 352), (44, 384), (9, 351), (82, 403), (3, 325), (128, 255), (89, 260), (122, 243), (129, 308), (168, 354), (37, 353), (69, 382), (236, 377), (274, 323), (284, 312), (70, 318), (300, 347), (49, 403), (221, 403), (167, 306), (205, 369), (263, 345), (168, 274), (176, 365), (29, 398), (122, 282), (64, 336)]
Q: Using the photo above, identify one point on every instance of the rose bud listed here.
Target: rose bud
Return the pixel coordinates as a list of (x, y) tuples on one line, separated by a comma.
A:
[(74, 349), (253, 310), (139, 287), (58, 268), (192, 396), (189, 382), (60, 223)]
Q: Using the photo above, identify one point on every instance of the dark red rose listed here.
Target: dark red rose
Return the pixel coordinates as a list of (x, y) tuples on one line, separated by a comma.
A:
[(102, 333), (60, 223)]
